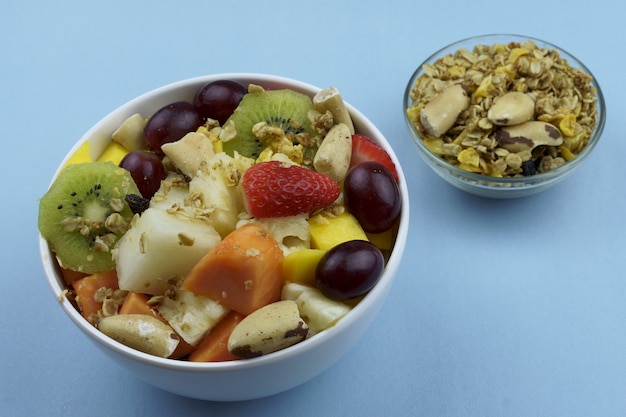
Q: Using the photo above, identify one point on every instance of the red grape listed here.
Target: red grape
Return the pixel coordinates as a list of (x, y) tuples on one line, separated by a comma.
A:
[(349, 270), (171, 123), (371, 194), (219, 99), (146, 169)]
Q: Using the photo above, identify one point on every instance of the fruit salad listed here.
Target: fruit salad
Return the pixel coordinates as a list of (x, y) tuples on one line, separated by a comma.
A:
[(225, 227)]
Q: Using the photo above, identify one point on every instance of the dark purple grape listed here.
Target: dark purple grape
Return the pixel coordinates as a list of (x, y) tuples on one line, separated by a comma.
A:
[(218, 99), (146, 169), (349, 270), (171, 123), (372, 196)]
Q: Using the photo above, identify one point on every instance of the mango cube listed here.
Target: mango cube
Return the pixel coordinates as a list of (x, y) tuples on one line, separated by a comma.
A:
[(329, 231), (81, 155), (299, 266), (114, 152), (384, 240)]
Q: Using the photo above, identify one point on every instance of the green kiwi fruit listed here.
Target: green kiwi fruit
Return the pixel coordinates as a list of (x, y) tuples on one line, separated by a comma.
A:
[(286, 109), (84, 213)]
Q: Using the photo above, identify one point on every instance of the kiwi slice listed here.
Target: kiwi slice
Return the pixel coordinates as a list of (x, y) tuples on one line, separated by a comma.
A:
[(84, 213), (286, 109)]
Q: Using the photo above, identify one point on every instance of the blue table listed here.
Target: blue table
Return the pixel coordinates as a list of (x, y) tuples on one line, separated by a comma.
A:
[(500, 308)]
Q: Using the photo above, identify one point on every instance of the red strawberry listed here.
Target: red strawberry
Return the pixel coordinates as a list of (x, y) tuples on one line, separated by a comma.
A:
[(272, 189), (365, 149)]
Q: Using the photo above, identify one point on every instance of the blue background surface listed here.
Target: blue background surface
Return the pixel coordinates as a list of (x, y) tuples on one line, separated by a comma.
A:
[(500, 308)]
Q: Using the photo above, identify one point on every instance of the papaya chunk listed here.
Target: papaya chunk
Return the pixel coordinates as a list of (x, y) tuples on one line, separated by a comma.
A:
[(214, 346), (70, 276), (243, 272), (86, 288), (137, 303)]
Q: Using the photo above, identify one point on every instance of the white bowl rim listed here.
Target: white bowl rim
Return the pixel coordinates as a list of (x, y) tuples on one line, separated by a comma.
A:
[(382, 286), (506, 183)]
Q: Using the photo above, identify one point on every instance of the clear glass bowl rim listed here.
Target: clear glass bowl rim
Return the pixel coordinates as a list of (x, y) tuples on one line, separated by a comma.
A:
[(487, 181)]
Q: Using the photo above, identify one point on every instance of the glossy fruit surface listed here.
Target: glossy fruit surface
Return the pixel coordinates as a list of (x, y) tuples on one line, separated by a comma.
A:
[(371, 194), (364, 149), (171, 123), (272, 189), (146, 169), (349, 270), (219, 99)]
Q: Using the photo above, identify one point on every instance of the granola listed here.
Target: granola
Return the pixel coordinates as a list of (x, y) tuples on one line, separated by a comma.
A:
[(563, 96)]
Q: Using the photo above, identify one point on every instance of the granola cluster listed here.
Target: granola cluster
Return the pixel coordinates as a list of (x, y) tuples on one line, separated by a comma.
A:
[(563, 97)]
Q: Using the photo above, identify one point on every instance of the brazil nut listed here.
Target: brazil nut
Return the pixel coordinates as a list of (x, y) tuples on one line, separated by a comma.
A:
[(142, 332), (440, 114), (271, 328), (527, 136), (511, 109)]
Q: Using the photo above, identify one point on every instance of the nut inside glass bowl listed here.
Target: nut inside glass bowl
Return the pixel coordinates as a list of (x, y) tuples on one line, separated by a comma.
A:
[(450, 108)]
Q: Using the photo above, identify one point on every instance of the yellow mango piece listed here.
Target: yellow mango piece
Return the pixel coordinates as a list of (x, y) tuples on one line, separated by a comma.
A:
[(506, 71), (414, 113), (516, 53), (566, 153), (499, 48), (265, 155), (568, 125), (218, 146), (327, 231), (485, 89), (456, 71), (384, 240), (469, 156), (299, 266), (81, 155), (434, 144), (575, 143), (114, 152)]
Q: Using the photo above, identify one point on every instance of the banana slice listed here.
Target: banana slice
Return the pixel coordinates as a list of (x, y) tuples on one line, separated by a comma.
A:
[(333, 156), (329, 99), (130, 133)]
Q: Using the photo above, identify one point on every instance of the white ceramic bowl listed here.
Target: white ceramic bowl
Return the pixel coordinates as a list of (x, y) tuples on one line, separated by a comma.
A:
[(251, 378), (488, 186)]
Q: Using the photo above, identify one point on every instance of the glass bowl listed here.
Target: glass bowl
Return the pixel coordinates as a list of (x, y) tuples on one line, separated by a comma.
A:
[(493, 186)]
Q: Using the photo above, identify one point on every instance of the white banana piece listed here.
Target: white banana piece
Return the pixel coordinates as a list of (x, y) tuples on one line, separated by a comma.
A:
[(333, 156), (329, 99), (188, 153), (130, 133), (318, 311), (191, 315)]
